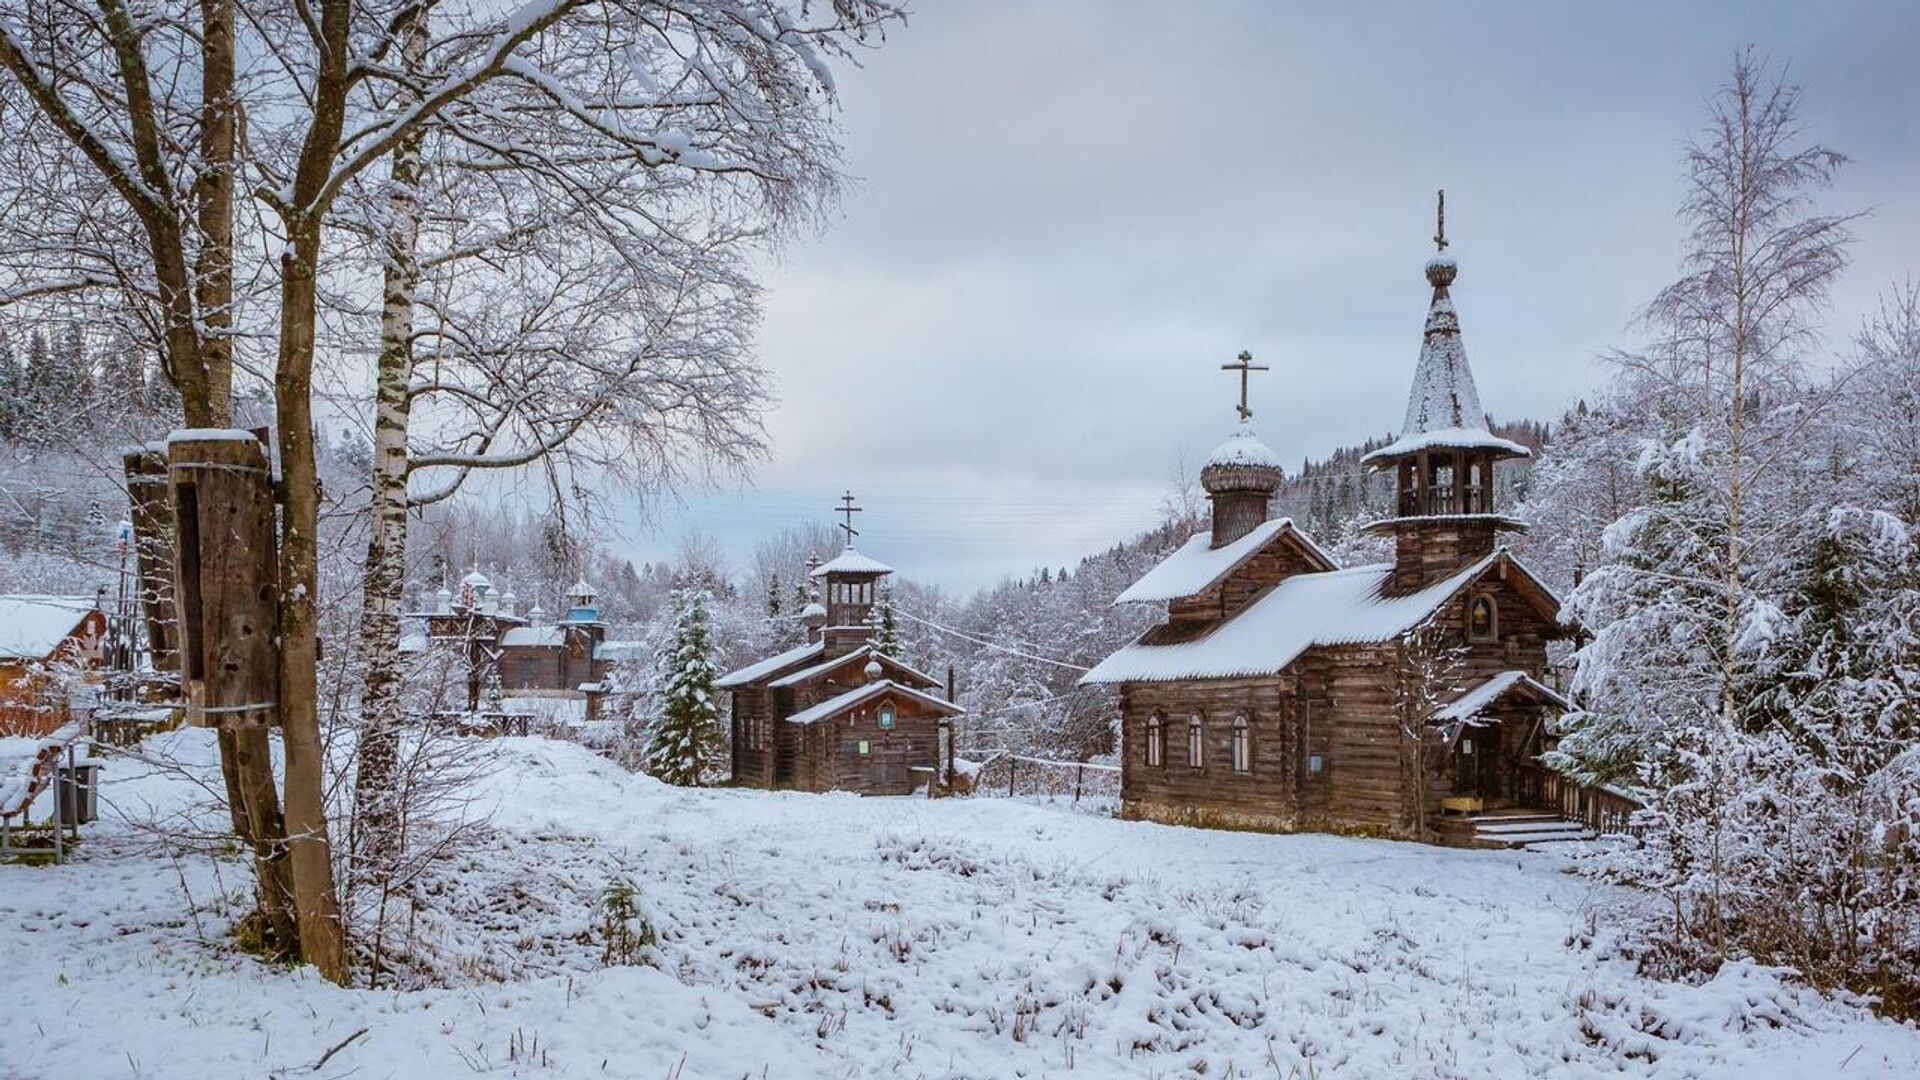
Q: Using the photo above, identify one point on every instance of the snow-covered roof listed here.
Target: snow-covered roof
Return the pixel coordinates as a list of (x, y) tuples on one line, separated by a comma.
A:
[(840, 703), (538, 636), (1473, 702), (804, 674), (33, 626), (179, 435), (413, 643), (620, 650), (851, 562), (1337, 607), (814, 610), (477, 579), (581, 588), (1195, 566), (1457, 438), (772, 665), (1443, 407), (1243, 449)]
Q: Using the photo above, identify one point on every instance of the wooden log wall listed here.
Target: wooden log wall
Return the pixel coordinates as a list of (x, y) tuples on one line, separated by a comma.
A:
[(225, 572)]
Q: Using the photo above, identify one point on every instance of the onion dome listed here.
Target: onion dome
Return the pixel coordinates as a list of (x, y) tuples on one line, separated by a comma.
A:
[(1242, 463), (873, 670), (814, 614)]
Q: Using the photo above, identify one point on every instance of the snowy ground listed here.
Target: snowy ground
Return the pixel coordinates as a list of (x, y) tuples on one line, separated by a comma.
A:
[(808, 936)]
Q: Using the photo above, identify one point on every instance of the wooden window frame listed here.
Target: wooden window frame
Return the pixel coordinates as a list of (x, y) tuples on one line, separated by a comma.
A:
[(1196, 741), (1241, 755), (1474, 600), (885, 717), (1156, 741)]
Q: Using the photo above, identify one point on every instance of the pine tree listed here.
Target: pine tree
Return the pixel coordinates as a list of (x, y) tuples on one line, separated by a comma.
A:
[(889, 637), (686, 742)]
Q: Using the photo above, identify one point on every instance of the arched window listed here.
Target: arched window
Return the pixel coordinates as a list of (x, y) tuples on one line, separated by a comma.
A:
[(1483, 618), (1242, 746), (1156, 740), (886, 718), (1196, 741)]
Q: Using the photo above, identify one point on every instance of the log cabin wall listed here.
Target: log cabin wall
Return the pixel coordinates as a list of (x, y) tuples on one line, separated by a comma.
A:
[(892, 754), (530, 667), (1174, 792), (1427, 551), (752, 757), (1251, 579)]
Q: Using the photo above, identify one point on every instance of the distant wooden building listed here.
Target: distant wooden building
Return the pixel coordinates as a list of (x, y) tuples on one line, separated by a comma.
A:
[(1285, 693), (46, 642), (836, 714), (565, 659)]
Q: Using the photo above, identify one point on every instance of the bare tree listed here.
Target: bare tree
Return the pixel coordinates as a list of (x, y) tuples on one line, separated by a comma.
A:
[(1759, 266)]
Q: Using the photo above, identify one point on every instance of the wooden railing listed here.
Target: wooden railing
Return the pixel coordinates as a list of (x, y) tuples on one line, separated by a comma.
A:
[(1603, 810), (1019, 774)]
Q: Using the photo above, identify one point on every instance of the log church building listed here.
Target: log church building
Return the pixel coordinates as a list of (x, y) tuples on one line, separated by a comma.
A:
[(1409, 698), (836, 713)]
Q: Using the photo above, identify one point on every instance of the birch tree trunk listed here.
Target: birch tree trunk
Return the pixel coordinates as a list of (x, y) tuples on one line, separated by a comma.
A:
[(377, 818)]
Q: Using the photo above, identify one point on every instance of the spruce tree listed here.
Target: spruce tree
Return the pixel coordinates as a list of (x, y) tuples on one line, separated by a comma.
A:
[(889, 637), (685, 740)]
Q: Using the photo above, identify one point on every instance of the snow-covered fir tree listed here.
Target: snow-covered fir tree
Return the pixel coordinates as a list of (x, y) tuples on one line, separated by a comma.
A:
[(685, 742)]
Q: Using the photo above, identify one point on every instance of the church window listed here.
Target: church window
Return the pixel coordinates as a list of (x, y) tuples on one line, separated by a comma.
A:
[(865, 748), (1242, 746), (1483, 619), (886, 718), (1196, 740), (1156, 740)]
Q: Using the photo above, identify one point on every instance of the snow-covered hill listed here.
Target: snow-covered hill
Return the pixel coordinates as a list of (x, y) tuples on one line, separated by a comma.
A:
[(827, 936)]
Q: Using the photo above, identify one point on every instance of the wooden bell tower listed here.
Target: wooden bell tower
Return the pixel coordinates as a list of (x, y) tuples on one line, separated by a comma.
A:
[(1443, 462)]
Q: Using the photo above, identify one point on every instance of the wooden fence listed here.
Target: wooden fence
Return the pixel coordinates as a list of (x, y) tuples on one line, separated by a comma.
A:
[(1603, 810), (1008, 775)]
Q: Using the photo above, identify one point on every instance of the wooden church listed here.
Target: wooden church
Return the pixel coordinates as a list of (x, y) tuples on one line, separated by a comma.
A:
[(1407, 699), (836, 713)]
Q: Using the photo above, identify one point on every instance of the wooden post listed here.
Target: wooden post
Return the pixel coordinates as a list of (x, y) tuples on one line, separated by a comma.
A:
[(1013, 765), (151, 513), (953, 731), (1079, 775), (226, 577)]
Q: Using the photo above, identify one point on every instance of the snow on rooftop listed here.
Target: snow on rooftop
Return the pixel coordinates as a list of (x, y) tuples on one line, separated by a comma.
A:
[(1455, 438), (1472, 703), (1195, 566), (754, 672), (840, 703), (206, 434), (32, 626), (1243, 449), (620, 650), (804, 674), (851, 562), (536, 636), (1338, 607)]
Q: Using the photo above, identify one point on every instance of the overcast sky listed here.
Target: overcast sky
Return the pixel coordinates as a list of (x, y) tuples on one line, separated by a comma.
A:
[(1069, 214)]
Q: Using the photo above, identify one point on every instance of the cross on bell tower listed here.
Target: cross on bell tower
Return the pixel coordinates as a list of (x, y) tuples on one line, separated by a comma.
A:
[(1245, 366), (847, 509), (1440, 223)]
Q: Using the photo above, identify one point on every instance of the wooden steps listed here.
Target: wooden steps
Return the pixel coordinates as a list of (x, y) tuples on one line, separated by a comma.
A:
[(1507, 829)]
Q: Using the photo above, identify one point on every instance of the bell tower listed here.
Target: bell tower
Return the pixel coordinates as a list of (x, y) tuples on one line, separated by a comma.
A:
[(852, 583), (1443, 462)]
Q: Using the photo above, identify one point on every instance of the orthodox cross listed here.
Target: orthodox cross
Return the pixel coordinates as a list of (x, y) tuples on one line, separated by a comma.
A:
[(847, 508), (1440, 235), (1245, 367)]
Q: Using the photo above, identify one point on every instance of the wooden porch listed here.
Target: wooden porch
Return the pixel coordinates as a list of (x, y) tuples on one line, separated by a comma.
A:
[(1545, 807)]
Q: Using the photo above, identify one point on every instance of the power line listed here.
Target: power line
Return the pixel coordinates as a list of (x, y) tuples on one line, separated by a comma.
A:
[(990, 644)]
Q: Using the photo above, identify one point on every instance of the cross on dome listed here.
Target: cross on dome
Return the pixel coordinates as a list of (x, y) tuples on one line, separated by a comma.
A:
[(847, 508), (1245, 366)]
